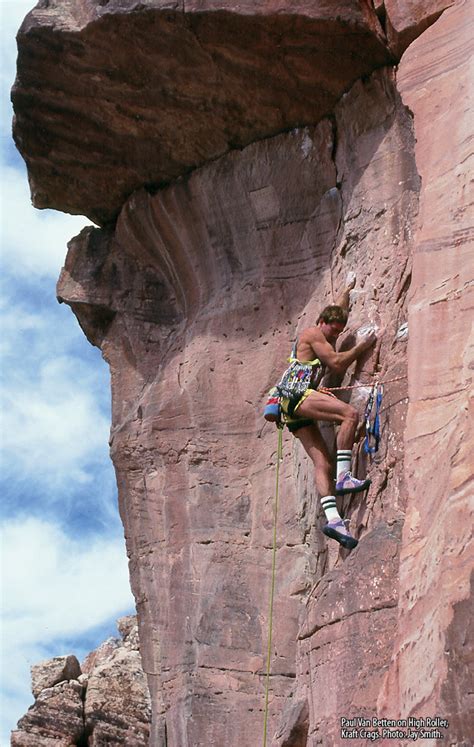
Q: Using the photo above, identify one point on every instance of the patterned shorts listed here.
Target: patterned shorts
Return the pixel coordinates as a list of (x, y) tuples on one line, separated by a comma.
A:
[(289, 407)]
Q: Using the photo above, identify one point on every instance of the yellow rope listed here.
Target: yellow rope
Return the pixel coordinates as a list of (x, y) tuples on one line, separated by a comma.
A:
[(272, 587)]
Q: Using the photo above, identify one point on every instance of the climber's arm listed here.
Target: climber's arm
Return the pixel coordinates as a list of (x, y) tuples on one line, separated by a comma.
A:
[(344, 297), (337, 362)]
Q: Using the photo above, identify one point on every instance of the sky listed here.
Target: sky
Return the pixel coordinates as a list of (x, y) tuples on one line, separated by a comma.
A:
[(63, 565)]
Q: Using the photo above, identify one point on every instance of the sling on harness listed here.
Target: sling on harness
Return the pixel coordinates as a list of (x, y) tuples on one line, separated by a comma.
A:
[(297, 379), (299, 376), (372, 429)]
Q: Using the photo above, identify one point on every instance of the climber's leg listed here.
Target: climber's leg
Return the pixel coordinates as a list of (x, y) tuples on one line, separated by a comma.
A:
[(314, 445), (323, 406)]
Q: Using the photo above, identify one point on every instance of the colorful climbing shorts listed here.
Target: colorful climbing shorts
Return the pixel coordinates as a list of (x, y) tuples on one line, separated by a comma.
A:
[(288, 409)]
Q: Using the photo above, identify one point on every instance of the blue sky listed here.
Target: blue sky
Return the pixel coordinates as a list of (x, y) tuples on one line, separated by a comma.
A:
[(63, 567)]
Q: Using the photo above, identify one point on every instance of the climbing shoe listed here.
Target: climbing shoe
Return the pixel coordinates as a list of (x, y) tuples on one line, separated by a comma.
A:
[(349, 484), (336, 529)]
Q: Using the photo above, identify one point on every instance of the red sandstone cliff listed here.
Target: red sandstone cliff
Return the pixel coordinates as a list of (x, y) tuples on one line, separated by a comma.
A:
[(241, 159)]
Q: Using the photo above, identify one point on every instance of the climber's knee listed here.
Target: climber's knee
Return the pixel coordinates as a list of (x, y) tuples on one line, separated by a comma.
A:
[(351, 417)]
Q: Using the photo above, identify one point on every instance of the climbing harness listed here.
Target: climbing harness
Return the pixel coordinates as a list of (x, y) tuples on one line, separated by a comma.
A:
[(299, 376), (372, 428), (273, 410), (272, 587), (297, 380)]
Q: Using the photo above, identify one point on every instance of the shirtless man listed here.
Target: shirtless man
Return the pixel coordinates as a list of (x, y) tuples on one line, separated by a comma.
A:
[(313, 353)]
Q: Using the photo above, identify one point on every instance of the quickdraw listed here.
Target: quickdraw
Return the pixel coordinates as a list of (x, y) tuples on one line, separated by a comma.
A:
[(372, 428)]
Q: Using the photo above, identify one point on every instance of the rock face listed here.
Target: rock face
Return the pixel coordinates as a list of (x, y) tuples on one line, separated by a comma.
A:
[(55, 720), (50, 673), (144, 92), (436, 559), (227, 261), (194, 295), (116, 703), (407, 19), (106, 702)]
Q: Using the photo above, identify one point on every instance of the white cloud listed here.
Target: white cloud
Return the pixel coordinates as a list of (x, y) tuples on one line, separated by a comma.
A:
[(12, 13), (55, 418), (47, 578), (15, 321), (55, 404), (34, 242), (34, 325), (55, 423), (48, 596)]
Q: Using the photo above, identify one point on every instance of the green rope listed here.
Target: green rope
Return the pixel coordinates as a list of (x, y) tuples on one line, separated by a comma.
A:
[(272, 588)]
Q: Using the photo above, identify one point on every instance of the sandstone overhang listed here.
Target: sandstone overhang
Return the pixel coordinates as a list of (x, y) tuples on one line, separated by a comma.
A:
[(113, 96)]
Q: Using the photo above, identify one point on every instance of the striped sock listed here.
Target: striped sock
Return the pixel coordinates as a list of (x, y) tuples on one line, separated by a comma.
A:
[(343, 462), (329, 506)]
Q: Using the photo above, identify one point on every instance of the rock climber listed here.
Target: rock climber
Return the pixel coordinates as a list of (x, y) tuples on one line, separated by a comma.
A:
[(304, 402)]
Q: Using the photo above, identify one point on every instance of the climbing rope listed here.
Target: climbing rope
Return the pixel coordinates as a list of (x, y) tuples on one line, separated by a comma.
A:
[(363, 386), (372, 429), (376, 392), (272, 587)]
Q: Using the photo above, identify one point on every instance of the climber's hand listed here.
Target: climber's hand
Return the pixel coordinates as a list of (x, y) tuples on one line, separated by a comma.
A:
[(368, 339)]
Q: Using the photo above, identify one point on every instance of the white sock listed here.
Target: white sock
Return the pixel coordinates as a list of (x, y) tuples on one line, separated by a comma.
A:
[(329, 505), (343, 462)]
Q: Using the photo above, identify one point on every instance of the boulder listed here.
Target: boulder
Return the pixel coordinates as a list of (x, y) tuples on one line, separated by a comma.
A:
[(50, 672), (116, 707), (109, 704)]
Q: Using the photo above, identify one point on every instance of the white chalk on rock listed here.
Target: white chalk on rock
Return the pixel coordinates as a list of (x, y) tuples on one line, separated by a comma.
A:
[(402, 333), (350, 280), (366, 330), (355, 294), (360, 396)]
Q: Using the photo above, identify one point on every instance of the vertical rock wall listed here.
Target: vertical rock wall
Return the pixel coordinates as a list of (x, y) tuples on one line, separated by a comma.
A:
[(348, 617), (194, 295), (233, 261), (418, 582), (226, 260), (435, 614)]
